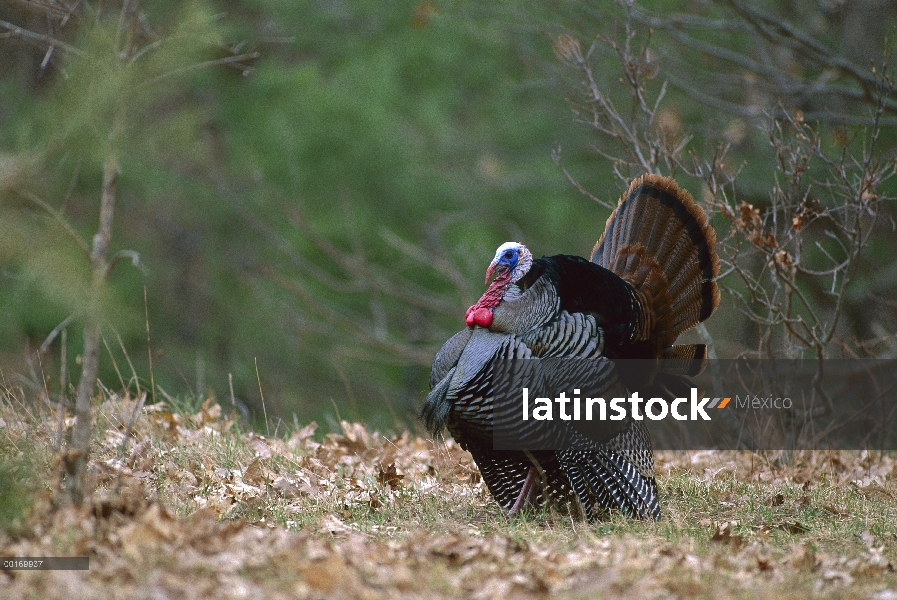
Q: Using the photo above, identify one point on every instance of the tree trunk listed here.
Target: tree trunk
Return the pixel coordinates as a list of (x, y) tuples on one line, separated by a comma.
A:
[(79, 449)]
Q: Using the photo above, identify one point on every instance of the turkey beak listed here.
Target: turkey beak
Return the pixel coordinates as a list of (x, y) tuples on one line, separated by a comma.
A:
[(496, 269), (489, 271)]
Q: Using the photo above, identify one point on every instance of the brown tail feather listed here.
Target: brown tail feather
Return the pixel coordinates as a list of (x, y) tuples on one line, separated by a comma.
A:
[(659, 240), (643, 272), (684, 359)]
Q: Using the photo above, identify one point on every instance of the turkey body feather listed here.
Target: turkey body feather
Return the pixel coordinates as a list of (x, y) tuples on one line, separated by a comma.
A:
[(651, 277)]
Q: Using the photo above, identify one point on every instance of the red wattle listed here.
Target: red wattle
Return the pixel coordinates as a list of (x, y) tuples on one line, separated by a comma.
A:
[(482, 317), (481, 312)]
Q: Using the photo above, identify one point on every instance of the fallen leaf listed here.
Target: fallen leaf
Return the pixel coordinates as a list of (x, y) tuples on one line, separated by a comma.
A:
[(724, 535), (389, 477), (332, 525)]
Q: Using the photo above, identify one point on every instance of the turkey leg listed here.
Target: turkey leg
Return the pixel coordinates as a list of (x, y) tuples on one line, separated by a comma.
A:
[(525, 491)]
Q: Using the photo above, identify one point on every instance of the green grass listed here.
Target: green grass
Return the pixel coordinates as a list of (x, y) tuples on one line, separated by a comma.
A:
[(15, 490)]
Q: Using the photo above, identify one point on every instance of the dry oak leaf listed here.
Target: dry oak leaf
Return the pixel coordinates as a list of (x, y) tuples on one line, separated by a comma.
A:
[(389, 477)]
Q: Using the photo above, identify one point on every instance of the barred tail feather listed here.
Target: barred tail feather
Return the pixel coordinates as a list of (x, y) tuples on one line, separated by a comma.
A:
[(503, 473), (605, 481), (659, 240)]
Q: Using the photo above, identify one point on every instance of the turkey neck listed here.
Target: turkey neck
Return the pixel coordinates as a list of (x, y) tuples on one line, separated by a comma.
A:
[(481, 312), (520, 312)]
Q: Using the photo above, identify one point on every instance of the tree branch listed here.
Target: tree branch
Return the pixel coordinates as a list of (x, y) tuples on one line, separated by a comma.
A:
[(40, 37)]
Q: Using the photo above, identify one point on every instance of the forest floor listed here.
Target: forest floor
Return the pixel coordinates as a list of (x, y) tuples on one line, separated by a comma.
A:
[(190, 505)]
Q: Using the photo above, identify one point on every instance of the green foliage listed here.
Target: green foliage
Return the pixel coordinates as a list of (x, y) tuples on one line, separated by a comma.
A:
[(113, 92), (330, 207)]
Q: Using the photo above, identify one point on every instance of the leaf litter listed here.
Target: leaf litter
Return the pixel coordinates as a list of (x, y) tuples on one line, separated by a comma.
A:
[(191, 506)]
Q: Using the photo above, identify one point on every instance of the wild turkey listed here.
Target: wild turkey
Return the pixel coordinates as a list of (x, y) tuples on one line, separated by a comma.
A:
[(651, 277)]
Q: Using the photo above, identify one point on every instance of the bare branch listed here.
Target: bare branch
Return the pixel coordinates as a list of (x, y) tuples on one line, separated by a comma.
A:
[(54, 334), (33, 36), (227, 60), (557, 160), (131, 254)]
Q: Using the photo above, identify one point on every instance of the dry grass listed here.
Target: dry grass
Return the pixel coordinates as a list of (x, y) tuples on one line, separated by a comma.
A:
[(191, 506)]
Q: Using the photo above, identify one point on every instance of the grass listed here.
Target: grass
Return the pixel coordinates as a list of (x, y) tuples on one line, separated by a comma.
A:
[(189, 504)]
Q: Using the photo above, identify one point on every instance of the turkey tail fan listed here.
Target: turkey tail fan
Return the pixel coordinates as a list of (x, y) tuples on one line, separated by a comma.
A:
[(659, 240)]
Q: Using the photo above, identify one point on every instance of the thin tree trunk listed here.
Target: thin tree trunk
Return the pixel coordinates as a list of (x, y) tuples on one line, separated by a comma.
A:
[(79, 450)]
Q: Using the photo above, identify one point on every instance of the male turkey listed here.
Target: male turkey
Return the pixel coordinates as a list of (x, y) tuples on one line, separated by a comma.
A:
[(651, 277)]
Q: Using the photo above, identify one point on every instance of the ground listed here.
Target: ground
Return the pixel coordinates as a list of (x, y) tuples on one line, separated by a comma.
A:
[(189, 504)]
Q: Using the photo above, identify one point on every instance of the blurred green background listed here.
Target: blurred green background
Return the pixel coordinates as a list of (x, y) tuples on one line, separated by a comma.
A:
[(327, 208)]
